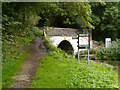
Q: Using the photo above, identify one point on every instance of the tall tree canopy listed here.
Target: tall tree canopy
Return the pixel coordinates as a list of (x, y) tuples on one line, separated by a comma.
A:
[(69, 14), (20, 17), (105, 19)]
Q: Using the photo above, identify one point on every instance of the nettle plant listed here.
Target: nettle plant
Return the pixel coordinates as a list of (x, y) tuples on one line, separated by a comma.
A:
[(112, 52)]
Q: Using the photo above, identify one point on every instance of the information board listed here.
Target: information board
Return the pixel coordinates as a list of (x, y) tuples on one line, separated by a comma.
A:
[(83, 40)]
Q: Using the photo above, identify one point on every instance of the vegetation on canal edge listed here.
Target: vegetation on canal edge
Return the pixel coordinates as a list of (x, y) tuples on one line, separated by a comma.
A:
[(14, 53), (58, 70), (112, 52), (18, 21), (103, 53)]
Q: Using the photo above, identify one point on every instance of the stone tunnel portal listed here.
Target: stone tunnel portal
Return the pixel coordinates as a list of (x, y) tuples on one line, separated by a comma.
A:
[(66, 46)]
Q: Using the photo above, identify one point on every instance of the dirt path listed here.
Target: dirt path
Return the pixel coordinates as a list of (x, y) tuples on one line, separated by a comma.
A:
[(27, 71)]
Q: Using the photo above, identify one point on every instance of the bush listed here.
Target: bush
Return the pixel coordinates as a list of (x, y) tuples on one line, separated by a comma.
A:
[(37, 31), (101, 42), (91, 51), (52, 50), (112, 52), (85, 52)]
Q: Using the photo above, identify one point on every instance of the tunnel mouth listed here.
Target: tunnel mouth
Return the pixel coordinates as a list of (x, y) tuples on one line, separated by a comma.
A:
[(66, 46)]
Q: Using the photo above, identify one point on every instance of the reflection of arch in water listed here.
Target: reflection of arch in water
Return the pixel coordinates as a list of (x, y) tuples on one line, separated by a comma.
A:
[(66, 46)]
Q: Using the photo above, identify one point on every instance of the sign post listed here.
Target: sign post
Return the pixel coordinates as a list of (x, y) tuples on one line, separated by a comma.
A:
[(78, 50), (88, 56), (78, 56), (83, 43)]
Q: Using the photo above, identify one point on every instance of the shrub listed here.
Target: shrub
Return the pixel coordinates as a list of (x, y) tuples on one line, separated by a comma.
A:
[(112, 52), (37, 31), (101, 42), (52, 50), (85, 52)]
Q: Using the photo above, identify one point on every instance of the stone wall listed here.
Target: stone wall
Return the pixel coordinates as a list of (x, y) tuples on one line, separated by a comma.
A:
[(57, 38)]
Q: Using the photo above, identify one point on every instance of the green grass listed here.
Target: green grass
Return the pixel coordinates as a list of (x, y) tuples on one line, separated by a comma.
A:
[(68, 73), (14, 53), (119, 83), (58, 70), (10, 67)]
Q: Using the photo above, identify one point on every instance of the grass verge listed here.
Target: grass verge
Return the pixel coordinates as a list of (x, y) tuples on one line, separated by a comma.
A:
[(58, 70), (14, 53)]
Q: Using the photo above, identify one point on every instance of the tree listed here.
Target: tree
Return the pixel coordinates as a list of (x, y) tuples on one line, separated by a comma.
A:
[(19, 18), (68, 14), (105, 20)]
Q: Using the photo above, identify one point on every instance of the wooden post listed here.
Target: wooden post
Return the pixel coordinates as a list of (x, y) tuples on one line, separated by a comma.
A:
[(90, 34)]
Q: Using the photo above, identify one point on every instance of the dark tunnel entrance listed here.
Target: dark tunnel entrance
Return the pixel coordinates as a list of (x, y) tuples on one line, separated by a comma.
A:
[(66, 46)]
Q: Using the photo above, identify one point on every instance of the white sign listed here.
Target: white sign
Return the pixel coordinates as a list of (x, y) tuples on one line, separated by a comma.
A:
[(108, 42), (84, 41)]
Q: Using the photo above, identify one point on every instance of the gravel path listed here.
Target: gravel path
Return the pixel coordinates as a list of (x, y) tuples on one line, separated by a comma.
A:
[(24, 77)]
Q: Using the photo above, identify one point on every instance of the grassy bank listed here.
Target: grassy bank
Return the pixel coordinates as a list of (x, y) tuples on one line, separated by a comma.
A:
[(58, 70), (14, 52)]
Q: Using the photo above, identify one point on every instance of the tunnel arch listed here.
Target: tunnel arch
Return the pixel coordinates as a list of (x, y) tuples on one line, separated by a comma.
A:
[(66, 46)]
